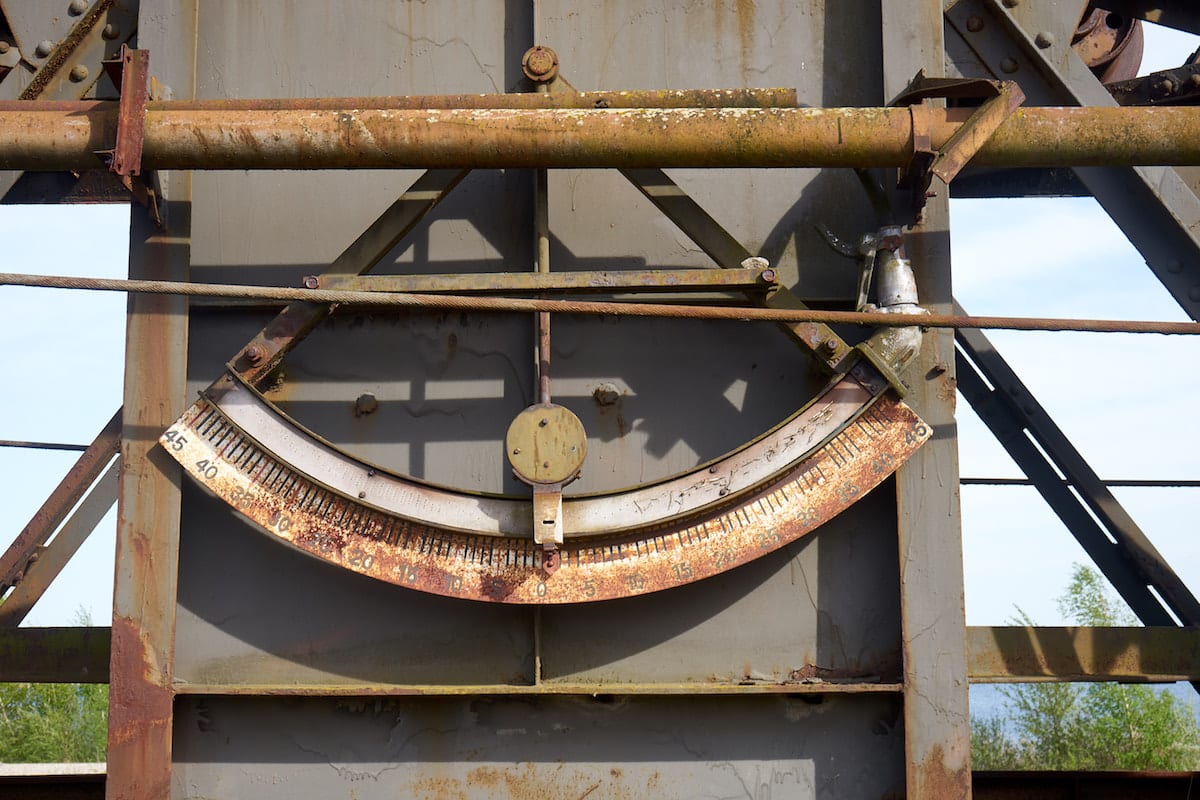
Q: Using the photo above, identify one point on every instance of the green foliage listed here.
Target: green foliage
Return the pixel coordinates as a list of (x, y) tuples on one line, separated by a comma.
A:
[(1063, 726), (53, 722)]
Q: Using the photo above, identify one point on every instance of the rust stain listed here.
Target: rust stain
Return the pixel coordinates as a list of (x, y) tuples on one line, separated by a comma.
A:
[(716, 538), (745, 10), (139, 717), (931, 778), (532, 781), (947, 388)]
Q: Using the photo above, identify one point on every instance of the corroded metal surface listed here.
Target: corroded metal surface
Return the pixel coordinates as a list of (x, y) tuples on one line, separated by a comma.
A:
[(750, 278), (60, 502), (1012, 654), (557, 138), (343, 529), (638, 98), (249, 363)]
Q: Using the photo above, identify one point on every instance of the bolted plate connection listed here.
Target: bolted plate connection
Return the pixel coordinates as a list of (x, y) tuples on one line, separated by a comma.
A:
[(783, 485)]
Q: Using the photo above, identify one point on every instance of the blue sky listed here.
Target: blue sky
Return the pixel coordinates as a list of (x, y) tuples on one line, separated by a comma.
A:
[(1126, 401)]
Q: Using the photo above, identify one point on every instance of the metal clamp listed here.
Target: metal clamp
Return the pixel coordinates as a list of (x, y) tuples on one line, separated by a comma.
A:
[(130, 70), (1000, 100)]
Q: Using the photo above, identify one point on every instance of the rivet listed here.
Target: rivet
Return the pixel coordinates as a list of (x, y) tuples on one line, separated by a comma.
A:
[(111, 31), (361, 495), (1044, 39), (77, 7), (1008, 65), (4, 47), (545, 465), (974, 24), (78, 73), (366, 403), (44, 48), (543, 422), (1194, 79), (606, 394), (516, 451), (311, 282)]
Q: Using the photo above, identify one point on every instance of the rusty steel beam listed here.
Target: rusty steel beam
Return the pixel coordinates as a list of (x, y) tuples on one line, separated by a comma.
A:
[(52, 558), (1018, 654), (37, 781), (615, 281), (60, 502), (638, 98), (54, 655), (506, 138), (998, 654)]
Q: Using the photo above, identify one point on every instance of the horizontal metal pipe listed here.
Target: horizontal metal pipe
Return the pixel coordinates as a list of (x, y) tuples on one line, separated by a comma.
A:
[(502, 138), (450, 302), (636, 98)]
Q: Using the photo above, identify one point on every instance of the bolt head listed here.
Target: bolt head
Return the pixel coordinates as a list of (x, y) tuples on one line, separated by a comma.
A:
[(540, 64), (1008, 65), (79, 73), (311, 282), (111, 31), (1044, 39), (44, 48), (606, 394), (77, 7), (974, 23), (769, 275), (254, 354), (4, 47), (366, 403)]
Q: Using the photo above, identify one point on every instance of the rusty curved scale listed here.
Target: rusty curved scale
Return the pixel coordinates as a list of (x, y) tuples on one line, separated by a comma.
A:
[(757, 499)]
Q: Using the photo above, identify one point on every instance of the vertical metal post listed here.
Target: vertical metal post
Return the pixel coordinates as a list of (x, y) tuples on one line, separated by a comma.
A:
[(937, 734), (141, 699), (143, 629), (541, 222)]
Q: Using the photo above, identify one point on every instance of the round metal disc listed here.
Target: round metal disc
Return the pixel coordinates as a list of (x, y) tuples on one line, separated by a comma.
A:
[(546, 444)]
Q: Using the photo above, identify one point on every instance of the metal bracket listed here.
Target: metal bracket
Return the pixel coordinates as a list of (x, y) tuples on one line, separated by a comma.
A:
[(130, 71), (1000, 100)]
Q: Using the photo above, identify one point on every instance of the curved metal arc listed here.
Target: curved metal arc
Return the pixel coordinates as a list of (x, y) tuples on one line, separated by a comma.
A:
[(352, 531), (720, 481)]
